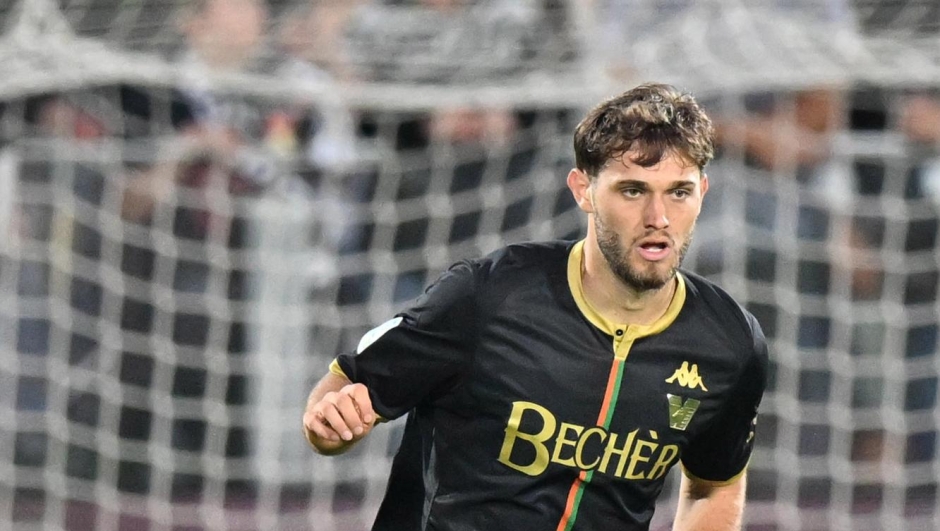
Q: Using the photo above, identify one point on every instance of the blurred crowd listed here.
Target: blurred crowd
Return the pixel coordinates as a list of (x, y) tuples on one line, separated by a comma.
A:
[(185, 160)]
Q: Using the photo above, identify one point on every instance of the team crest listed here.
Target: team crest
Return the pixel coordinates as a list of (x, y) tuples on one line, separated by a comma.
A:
[(680, 412)]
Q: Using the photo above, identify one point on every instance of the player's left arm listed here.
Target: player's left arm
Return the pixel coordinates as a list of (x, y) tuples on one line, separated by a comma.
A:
[(708, 506), (714, 465)]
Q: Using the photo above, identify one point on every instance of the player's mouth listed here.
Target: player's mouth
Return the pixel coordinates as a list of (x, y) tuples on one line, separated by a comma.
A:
[(654, 249)]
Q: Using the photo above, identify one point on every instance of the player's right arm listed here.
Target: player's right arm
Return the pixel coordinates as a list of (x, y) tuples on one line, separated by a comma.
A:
[(338, 414), (417, 356)]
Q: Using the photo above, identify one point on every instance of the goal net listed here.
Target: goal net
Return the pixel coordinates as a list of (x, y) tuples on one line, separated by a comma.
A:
[(202, 202)]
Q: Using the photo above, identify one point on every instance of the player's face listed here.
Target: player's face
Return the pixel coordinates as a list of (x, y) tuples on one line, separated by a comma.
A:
[(644, 218)]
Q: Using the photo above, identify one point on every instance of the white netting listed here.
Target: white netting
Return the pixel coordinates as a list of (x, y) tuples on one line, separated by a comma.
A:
[(197, 213)]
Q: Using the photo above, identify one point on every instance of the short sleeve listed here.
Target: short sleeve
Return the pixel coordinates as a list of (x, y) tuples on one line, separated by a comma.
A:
[(421, 353), (720, 454)]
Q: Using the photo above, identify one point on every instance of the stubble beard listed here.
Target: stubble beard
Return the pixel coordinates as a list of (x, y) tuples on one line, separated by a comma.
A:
[(618, 259)]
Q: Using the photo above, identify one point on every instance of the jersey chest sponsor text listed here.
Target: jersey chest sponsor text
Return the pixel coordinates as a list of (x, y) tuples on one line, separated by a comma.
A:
[(635, 455)]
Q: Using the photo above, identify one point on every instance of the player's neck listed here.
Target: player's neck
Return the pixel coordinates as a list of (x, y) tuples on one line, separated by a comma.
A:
[(617, 301)]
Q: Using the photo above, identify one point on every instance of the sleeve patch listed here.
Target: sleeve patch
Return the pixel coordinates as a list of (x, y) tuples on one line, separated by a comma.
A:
[(373, 335)]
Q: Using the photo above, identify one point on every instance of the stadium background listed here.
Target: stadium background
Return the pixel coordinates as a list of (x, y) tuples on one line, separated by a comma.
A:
[(202, 202)]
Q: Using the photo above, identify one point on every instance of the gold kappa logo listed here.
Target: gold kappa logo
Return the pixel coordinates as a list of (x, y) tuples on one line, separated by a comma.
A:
[(687, 377)]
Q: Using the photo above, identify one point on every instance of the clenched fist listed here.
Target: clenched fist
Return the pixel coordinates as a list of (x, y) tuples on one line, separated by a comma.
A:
[(333, 420)]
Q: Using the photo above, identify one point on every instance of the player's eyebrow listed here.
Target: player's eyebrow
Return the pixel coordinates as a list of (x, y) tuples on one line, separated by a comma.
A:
[(643, 185), (633, 183)]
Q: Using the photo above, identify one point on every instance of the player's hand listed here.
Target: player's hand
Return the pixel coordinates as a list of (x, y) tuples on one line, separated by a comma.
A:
[(344, 415)]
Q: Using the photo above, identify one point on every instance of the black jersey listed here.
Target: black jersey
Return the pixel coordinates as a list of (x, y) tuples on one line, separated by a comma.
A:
[(529, 410)]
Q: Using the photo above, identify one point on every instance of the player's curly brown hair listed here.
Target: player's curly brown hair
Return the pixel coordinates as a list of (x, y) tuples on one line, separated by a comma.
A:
[(650, 122)]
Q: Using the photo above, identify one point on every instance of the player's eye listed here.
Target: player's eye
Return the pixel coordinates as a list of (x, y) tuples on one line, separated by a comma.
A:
[(632, 192), (682, 193)]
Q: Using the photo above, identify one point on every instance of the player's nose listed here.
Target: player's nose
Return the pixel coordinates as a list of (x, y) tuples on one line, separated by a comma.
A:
[(654, 214)]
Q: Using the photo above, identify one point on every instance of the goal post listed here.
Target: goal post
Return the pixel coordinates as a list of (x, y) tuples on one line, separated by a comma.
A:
[(185, 246)]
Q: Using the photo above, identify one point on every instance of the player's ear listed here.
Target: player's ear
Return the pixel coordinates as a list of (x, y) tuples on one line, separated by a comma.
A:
[(579, 183), (704, 184)]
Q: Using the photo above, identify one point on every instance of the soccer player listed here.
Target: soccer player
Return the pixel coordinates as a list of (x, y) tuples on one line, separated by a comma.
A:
[(551, 386)]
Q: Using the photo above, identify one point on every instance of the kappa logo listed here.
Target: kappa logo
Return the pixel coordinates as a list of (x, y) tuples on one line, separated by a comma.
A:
[(687, 377)]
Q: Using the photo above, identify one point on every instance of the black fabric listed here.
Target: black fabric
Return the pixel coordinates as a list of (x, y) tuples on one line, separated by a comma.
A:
[(504, 379)]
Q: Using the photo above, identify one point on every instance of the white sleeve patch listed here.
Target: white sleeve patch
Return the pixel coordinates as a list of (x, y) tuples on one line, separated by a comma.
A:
[(373, 335)]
